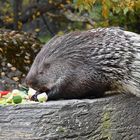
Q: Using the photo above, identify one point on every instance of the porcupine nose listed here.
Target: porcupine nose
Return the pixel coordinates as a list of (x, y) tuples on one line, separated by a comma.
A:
[(31, 81)]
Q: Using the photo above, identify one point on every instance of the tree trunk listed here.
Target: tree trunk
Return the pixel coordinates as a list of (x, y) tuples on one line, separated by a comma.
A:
[(112, 118), (16, 8)]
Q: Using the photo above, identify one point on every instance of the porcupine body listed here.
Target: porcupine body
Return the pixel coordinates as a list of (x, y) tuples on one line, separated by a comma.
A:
[(88, 63)]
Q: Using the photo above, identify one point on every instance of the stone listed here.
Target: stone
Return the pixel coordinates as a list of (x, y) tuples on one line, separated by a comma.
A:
[(13, 68), (110, 118), (2, 73), (14, 46), (9, 65), (15, 79)]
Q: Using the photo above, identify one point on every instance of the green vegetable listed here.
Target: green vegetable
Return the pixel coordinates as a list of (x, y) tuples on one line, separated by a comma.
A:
[(9, 99), (42, 97), (17, 99)]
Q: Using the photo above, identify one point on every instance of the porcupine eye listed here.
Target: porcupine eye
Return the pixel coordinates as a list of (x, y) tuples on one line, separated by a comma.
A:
[(43, 69)]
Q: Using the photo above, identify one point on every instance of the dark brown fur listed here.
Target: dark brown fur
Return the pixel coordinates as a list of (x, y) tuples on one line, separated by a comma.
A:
[(88, 63)]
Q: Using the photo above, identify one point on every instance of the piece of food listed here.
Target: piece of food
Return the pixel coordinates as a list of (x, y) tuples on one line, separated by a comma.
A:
[(16, 96), (23, 88), (9, 99), (15, 92), (31, 92), (2, 93), (42, 97), (17, 99), (23, 96), (2, 101)]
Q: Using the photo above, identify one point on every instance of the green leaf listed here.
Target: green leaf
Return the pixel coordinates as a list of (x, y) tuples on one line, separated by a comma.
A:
[(117, 10), (108, 3), (125, 10), (115, 0)]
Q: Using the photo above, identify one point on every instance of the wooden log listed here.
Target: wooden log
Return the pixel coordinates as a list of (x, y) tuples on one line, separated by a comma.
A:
[(111, 118)]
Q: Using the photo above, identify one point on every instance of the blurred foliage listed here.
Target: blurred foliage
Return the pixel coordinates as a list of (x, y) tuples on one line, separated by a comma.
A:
[(117, 6), (50, 17), (44, 39), (124, 13)]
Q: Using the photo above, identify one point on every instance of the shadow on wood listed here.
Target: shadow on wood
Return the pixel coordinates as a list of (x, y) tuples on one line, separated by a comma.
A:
[(111, 118)]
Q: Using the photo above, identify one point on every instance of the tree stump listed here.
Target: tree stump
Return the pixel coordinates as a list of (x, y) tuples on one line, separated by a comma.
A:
[(110, 118)]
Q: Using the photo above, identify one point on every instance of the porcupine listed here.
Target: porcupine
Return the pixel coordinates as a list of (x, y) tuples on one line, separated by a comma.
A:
[(88, 64)]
